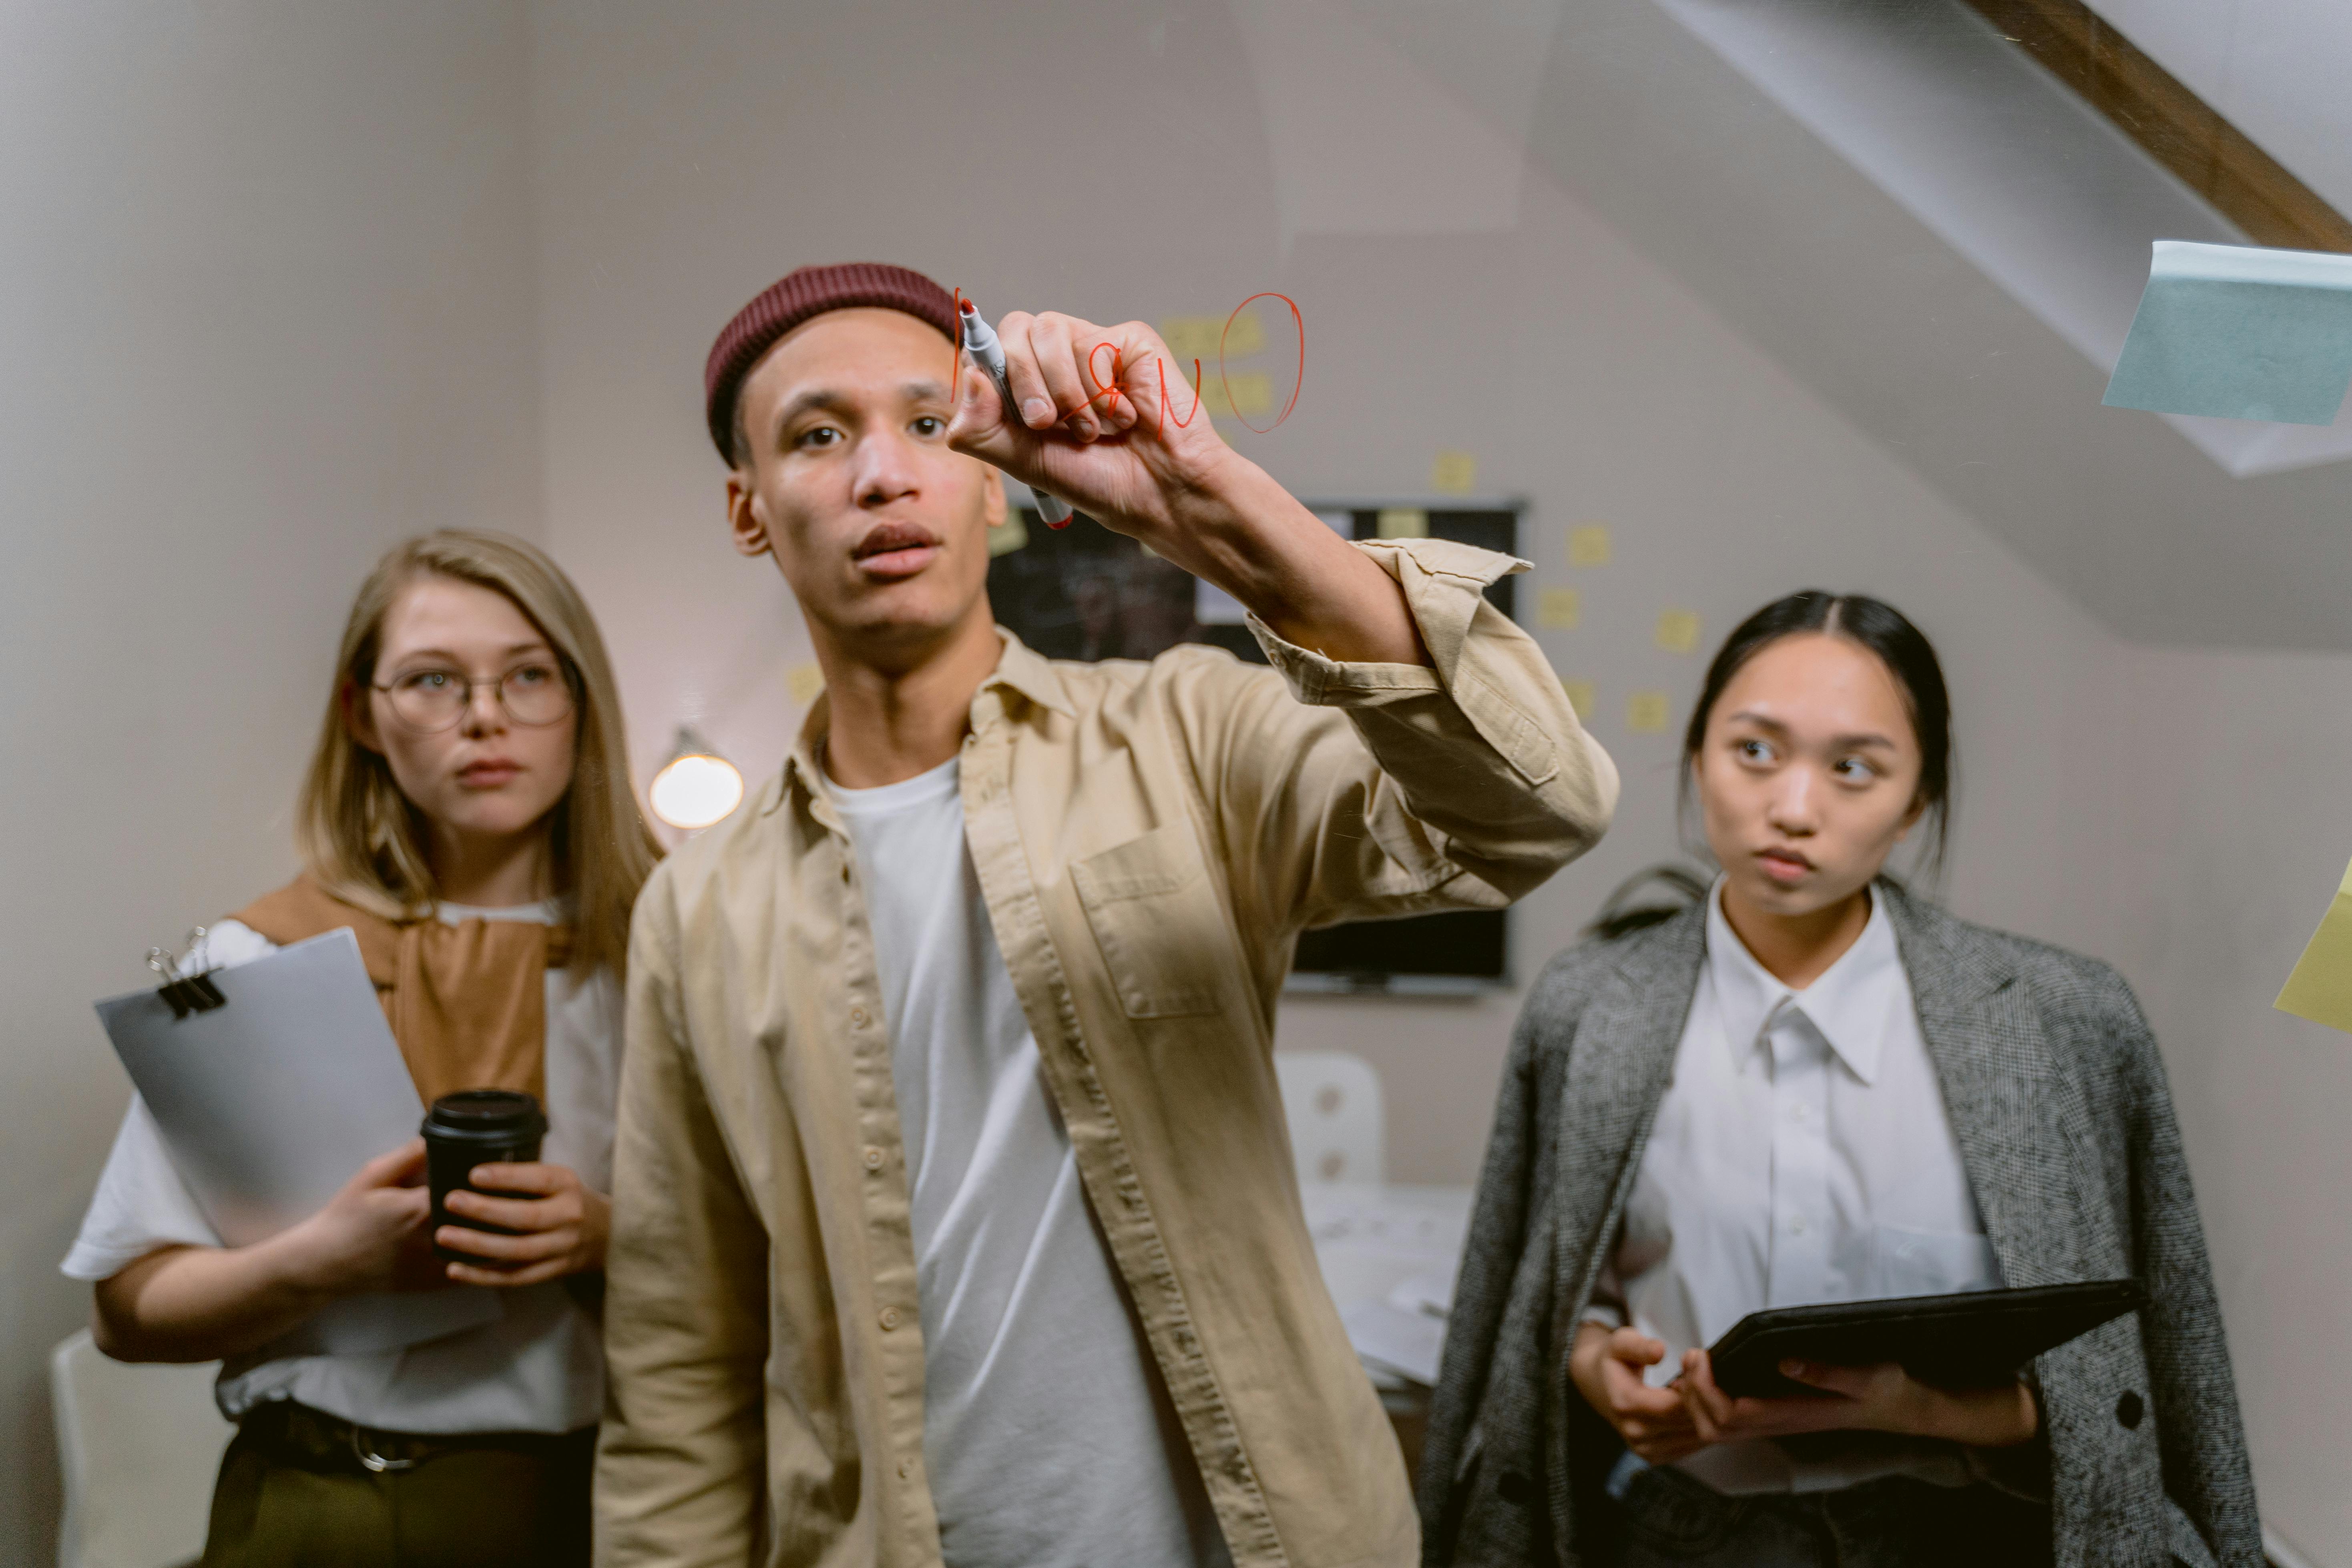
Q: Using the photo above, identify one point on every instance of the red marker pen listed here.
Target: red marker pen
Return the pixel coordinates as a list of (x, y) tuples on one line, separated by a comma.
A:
[(980, 342)]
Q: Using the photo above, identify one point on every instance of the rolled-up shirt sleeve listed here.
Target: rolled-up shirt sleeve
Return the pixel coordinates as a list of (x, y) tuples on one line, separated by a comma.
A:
[(1462, 783), (142, 1204)]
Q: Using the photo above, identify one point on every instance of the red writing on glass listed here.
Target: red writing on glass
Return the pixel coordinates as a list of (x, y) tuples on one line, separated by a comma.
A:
[(1166, 411)]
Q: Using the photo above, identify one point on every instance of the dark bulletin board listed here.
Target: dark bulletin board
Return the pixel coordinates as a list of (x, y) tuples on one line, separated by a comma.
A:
[(1084, 593)]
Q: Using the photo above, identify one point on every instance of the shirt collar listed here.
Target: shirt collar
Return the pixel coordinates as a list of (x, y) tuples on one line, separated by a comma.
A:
[(1848, 1003), (1019, 668)]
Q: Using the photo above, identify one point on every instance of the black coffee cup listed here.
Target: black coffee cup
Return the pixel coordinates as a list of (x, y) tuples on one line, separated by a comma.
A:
[(476, 1126)]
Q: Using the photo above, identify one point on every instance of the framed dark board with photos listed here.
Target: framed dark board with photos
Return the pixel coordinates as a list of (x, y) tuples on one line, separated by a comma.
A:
[(1084, 593)]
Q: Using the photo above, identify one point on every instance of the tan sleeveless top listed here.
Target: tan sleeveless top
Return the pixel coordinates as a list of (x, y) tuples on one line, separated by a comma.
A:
[(467, 1001)]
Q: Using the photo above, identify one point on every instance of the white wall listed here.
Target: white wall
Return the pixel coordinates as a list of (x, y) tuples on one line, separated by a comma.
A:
[(2232, 770), (265, 307)]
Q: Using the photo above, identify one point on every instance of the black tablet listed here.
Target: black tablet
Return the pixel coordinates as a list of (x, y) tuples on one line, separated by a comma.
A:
[(1978, 1339)]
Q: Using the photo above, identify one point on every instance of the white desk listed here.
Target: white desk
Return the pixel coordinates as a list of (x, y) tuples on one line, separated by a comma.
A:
[(1388, 1253)]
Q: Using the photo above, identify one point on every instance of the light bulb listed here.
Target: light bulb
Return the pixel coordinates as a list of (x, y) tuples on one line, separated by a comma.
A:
[(696, 790)]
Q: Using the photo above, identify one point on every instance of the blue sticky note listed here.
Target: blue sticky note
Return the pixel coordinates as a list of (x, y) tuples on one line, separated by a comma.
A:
[(2236, 332)]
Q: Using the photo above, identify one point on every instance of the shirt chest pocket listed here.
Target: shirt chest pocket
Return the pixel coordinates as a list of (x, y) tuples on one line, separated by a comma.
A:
[(1155, 915)]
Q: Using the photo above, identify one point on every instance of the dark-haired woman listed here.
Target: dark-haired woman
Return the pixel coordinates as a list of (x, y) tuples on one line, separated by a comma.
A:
[(1813, 1086)]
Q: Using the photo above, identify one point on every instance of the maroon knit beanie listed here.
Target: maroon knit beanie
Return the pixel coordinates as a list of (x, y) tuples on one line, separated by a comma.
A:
[(785, 304)]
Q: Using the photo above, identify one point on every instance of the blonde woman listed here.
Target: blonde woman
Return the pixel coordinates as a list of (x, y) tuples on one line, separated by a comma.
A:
[(469, 814)]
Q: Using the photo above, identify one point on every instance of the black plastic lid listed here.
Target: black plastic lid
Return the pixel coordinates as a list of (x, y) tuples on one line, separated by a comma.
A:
[(485, 1115)]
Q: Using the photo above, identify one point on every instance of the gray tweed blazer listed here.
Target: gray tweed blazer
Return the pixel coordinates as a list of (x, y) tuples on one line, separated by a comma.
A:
[(2064, 1122)]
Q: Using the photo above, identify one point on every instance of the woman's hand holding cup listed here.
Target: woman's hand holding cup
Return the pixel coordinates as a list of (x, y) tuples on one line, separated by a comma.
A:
[(559, 1225)]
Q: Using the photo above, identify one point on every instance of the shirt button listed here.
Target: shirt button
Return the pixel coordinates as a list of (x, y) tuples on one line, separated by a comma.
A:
[(889, 1319), (873, 1158), (1797, 1226), (858, 1016), (904, 1470), (845, 870)]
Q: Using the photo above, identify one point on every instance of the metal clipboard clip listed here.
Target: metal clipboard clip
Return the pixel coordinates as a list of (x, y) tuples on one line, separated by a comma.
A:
[(190, 991)]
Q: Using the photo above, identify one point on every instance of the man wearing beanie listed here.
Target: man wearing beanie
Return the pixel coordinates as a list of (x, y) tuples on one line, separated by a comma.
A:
[(955, 1215)]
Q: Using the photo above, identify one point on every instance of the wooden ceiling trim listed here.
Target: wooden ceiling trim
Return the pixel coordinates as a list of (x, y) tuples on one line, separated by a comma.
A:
[(2173, 124)]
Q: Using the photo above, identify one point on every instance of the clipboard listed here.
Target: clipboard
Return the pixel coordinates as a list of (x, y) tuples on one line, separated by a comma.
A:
[(1976, 1338), (271, 1083)]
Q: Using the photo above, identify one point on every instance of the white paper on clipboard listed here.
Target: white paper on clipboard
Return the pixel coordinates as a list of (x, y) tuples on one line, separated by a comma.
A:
[(270, 1103)]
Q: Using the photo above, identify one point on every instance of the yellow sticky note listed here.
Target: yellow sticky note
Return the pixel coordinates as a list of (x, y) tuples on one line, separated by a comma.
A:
[(1646, 712), (1009, 538), (1560, 609), (1677, 630), (2320, 989), (1404, 523), (804, 682), (1245, 334), (1251, 391), (1453, 473), (1191, 338), (1589, 546), (1580, 696)]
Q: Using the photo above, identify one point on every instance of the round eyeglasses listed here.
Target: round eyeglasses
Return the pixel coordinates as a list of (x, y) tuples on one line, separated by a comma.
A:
[(427, 701)]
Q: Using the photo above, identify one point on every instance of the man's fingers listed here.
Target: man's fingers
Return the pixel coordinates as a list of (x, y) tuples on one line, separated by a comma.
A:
[(1634, 1346), (1051, 349), (978, 426), (1032, 400)]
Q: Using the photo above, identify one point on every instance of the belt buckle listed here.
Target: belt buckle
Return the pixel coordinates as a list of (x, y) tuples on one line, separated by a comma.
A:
[(363, 1449)]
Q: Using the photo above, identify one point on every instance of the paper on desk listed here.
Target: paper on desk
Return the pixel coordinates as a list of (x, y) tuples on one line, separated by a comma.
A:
[(2234, 331), (1431, 1294), (2320, 988), (1407, 1344)]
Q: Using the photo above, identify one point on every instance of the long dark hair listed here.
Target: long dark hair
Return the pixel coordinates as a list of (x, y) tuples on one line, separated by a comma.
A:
[(1908, 656)]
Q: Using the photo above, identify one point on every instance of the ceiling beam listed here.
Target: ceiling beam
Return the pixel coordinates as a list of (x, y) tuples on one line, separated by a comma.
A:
[(2173, 124)]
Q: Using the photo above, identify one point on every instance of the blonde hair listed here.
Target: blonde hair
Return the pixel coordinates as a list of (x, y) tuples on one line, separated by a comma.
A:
[(363, 840)]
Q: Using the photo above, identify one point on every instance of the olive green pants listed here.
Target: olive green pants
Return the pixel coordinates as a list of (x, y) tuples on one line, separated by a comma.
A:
[(300, 1488)]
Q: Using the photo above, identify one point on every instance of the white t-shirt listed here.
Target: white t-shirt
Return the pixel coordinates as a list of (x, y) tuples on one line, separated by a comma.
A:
[(540, 1368), (1050, 1440)]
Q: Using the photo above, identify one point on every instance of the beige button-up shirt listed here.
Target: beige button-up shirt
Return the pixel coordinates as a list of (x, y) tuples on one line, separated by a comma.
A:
[(1149, 838)]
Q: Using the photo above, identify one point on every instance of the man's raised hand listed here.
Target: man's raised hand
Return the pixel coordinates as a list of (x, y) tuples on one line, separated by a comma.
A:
[(1103, 418)]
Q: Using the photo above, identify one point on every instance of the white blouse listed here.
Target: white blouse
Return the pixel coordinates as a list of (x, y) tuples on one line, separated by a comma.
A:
[(1801, 1154), (539, 1368)]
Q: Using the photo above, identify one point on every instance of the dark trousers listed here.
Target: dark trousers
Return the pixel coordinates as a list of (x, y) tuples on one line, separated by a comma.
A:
[(1896, 1522), (300, 1488)]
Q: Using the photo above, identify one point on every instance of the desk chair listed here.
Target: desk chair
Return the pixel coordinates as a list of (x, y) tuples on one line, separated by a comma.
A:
[(140, 1446), (1338, 1128)]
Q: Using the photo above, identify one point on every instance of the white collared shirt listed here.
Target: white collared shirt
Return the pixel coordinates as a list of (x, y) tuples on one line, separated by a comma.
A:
[(1801, 1154)]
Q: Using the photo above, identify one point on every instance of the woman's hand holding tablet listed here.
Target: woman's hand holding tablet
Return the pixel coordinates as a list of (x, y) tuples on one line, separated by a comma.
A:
[(1881, 1398), (1606, 1365)]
